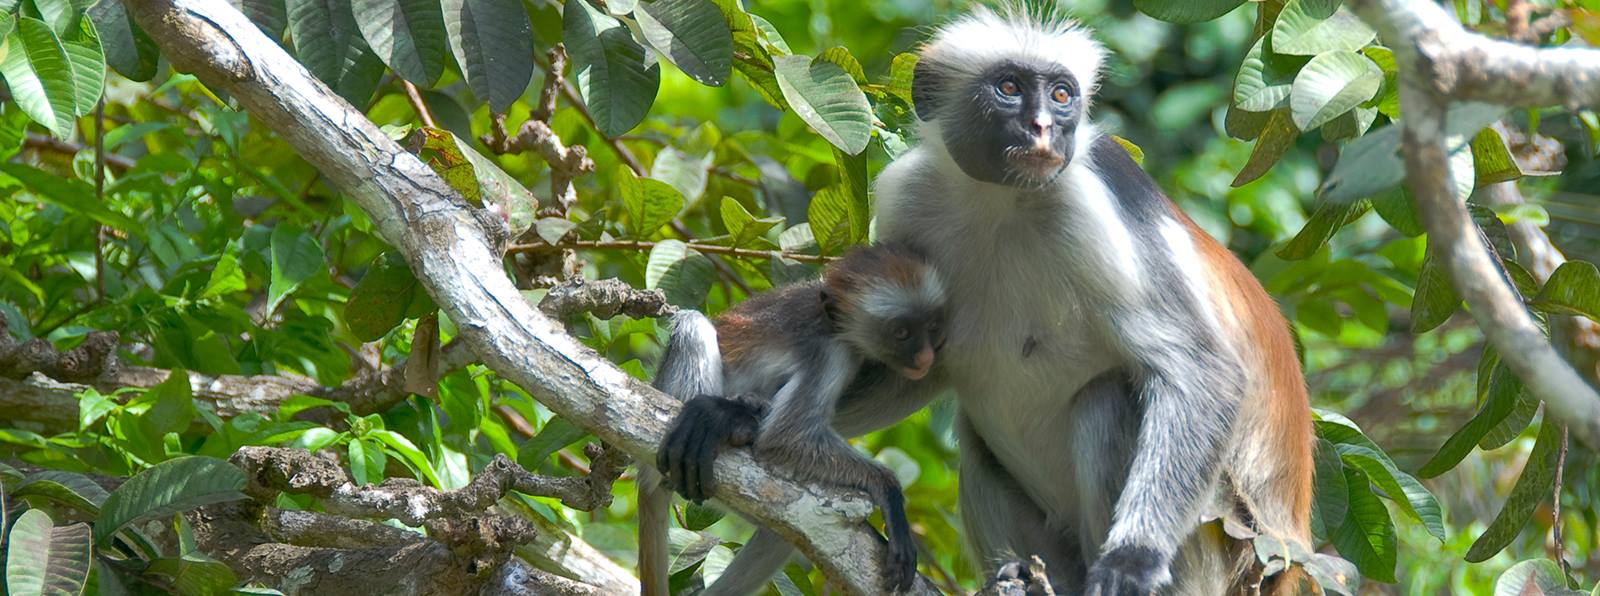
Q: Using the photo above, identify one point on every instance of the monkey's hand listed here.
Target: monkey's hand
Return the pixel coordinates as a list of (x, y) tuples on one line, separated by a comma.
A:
[(706, 424), (1128, 571)]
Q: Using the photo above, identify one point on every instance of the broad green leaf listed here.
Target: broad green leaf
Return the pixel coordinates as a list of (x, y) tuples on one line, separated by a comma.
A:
[(1396, 208), (1544, 574), (1244, 125), (684, 171), (408, 451), (1574, 289), (408, 35), (690, 33), (829, 213), (682, 274), (171, 405), (1367, 165), (853, 180), (841, 57), (1388, 100), (699, 517), (1367, 536), (1504, 390), (366, 462), (70, 194), (324, 34), (769, 34), (828, 100), (195, 573), (1332, 499), (1331, 84), (1265, 78), (296, 257), (688, 548), (1513, 424), (40, 75), (1186, 11), (1324, 222), (744, 228), (69, 488), (1272, 141), (1532, 488), (1311, 27), (493, 42), (168, 487), (43, 558), (1349, 125), (88, 63), (500, 189), (226, 278), (648, 203), (271, 16), (1491, 161), (556, 434), (380, 300), (1401, 487), (1435, 299), (752, 61), (127, 48), (901, 71), (617, 77)]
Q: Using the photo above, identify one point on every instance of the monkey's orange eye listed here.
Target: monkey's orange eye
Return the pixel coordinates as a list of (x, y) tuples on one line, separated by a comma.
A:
[(1009, 88), (1060, 94)]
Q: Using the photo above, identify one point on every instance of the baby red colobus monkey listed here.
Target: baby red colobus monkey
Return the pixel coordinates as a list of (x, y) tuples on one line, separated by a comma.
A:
[(794, 356)]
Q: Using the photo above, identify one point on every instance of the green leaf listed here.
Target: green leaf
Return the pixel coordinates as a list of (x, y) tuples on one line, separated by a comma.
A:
[(1532, 488), (1504, 390), (1324, 222), (648, 203), (1574, 289), (1512, 425), (1311, 27), (1244, 125), (853, 180), (1275, 138), (827, 99), (271, 16), (171, 486), (1186, 11), (128, 49), (70, 194), (1367, 536), (1400, 487), (171, 405), (226, 278), (1349, 125), (1332, 499), (683, 171), (40, 74), (829, 213), (617, 77), (692, 34), (556, 434), (699, 517), (493, 42), (744, 228), (69, 488), (366, 462), (901, 70), (195, 573), (841, 57), (683, 275), (408, 451), (296, 257), (88, 63), (1367, 165), (379, 301), (502, 190), (1491, 161), (45, 559), (1435, 299), (408, 35), (1396, 208), (1265, 78), (1331, 84), (325, 37), (1543, 573)]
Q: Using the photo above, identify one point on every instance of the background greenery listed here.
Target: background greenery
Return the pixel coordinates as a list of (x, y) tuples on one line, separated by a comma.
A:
[(210, 246)]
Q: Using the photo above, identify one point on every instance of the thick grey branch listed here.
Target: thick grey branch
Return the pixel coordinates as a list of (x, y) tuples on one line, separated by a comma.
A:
[(1433, 55), (446, 246), (1465, 66)]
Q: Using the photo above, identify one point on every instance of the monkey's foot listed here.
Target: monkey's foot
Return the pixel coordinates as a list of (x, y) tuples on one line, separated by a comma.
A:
[(1016, 579)]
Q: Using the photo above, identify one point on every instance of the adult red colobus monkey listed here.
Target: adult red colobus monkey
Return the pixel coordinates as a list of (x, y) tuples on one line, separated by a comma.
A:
[(1119, 373)]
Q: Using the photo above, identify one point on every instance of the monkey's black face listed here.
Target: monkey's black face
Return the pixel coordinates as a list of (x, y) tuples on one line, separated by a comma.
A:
[(913, 341), (1017, 125)]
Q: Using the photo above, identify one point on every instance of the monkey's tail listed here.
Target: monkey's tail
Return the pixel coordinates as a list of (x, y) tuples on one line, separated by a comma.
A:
[(691, 366)]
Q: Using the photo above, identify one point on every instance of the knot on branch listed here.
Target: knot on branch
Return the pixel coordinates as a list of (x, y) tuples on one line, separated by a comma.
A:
[(604, 299), (95, 357)]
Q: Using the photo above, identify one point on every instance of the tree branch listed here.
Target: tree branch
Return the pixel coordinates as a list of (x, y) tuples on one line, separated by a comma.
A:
[(1439, 63), (446, 245)]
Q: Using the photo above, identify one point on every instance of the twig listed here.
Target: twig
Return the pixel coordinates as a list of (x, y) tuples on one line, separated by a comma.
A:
[(417, 105), (40, 142), (1560, 551), (644, 246), (100, 197)]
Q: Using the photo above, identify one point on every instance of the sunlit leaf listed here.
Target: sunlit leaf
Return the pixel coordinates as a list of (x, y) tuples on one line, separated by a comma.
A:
[(1186, 11), (408, 35), (166, 488), (1331, 84), (43, 558), (1532, 488), (617, 77), (690, 33), (1311, 27), (826, 98)]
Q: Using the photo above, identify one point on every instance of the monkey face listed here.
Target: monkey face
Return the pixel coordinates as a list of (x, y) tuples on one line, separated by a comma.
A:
[(912, 343), (1016, 124)]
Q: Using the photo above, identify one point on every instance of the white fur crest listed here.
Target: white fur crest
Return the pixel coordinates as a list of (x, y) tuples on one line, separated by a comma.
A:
[(984, 36)]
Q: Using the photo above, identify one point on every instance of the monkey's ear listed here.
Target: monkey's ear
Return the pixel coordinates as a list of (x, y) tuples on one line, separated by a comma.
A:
[(830, 307), (925, 85)]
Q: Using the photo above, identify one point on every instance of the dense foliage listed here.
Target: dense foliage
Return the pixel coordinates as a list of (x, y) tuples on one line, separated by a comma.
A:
[(712, 149)]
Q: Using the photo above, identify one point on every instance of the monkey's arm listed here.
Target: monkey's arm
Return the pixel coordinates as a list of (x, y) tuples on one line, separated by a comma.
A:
[(1190, 389), (705, 425)]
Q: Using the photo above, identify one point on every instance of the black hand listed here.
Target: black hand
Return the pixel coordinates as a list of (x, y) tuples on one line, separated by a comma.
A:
[(1127, 571), (706, 424)]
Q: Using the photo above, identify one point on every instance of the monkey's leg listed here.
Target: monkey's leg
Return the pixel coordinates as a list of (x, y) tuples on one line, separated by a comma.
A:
[(762, 556), (1002, 524)]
